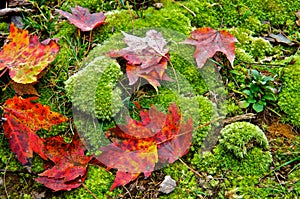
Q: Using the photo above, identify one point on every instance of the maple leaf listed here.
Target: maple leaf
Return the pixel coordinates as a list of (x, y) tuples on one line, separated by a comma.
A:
[(208, 41), (83, 19), (140, 145), (70, 164), (25, 57), (24, 118), (146, 57)]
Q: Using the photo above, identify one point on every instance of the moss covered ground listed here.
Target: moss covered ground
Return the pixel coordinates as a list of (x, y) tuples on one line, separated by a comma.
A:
[(255, 158)]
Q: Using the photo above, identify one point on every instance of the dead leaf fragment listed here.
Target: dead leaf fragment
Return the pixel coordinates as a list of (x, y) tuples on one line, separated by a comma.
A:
[(168, 185)]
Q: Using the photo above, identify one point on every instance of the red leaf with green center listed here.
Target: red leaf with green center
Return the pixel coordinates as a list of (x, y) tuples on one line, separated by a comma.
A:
[(146, 57), (24, 118), (139, 145), (208, 41), (70, 164), (83, 19), (25, 57)]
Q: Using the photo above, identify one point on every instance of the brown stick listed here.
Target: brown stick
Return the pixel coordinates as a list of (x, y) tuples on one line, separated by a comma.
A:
[(7, 11), (246, 116)]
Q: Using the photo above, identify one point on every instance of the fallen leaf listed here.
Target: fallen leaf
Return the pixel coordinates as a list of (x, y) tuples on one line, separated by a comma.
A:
[(25, 57), (209, 41), (70, 164), (24, 118), (146, 57), (83, 19), (139, 146), (24, 89)]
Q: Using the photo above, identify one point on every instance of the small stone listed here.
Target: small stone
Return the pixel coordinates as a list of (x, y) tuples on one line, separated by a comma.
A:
[(168, 185)]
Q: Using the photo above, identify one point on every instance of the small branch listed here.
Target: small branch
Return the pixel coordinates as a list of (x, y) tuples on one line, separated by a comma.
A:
[(7, 11), (246, 116), (178, 87), (190, 168), (194, 14), (94, 196)]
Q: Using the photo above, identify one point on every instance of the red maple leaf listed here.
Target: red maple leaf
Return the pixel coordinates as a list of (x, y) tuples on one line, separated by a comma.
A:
[(70, 164), (25, 57), (83, 19), (146, 57), (208, 41), (24, 118), (138, 146)]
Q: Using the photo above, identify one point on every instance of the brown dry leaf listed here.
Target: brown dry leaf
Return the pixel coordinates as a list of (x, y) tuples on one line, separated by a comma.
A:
[(280, 129), (24, 89)]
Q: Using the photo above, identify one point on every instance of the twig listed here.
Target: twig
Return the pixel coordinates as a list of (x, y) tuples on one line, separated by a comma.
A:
[(7, 11), (208, 123), (131, 16), (127, 191), (4, 177), (94, 196), (194, 14), (175, 76), (246, 116), (190, 168)]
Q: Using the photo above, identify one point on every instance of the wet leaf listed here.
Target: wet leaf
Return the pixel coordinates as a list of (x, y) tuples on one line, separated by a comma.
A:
[(70, 164), (83, 19), (146, 57), (139, 146), (209, 41), (24, 118), (25, 57)]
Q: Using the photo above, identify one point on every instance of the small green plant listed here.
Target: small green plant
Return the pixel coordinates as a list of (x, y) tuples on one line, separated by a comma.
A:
[(259, 91)]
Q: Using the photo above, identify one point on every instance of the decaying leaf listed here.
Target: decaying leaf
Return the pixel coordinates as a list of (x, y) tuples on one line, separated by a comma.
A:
[(25, 57), (208, 41), (70, 164), (146, 57), (24, 117), (24, 89), (139, 146), (83, 19)]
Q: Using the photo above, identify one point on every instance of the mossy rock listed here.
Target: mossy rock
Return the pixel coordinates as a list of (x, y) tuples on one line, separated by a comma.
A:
[(289, 97), (240, 137)]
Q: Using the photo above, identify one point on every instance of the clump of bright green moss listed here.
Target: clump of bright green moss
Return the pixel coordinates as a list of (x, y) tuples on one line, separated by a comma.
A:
[(240, 137), (289, 98), (91, 90)]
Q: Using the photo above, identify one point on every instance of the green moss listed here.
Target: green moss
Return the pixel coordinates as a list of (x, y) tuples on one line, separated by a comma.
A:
[(4, 27), (240, 137), (91, 89), (99, 182), (188, 187), (189, 72), (233, 108), (92, 5), (245, 13), (289, 98), (167, 18)]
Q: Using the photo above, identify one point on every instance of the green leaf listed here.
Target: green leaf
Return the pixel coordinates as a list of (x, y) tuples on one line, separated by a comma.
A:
[(258, 107), (247, 92), (270, 97), (255, 74), (244, 104)]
